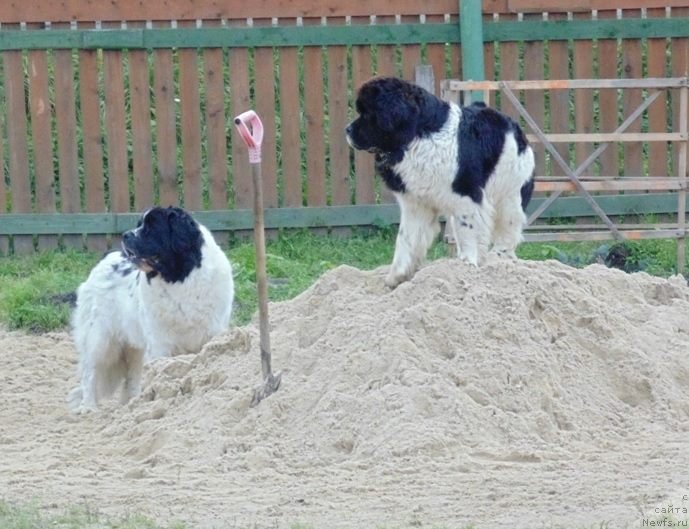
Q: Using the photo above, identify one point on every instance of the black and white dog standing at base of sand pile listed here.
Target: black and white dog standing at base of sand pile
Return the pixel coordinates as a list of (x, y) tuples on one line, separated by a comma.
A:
[(168, 291), (471, 164)]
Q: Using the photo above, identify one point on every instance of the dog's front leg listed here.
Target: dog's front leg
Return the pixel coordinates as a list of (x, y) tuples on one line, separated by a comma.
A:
[(418, 227)]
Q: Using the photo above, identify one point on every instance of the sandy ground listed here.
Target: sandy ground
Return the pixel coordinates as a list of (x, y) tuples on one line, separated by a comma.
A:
[(516, 395)]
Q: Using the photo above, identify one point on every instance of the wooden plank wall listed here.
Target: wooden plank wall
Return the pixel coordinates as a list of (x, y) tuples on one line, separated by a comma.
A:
[(118, 130)]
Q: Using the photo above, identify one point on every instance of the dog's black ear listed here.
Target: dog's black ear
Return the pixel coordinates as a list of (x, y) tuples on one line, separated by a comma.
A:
[(174, 213), (395, 111), (185, 233)]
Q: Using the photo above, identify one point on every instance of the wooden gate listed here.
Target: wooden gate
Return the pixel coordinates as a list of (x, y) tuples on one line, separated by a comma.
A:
[(581, 179)]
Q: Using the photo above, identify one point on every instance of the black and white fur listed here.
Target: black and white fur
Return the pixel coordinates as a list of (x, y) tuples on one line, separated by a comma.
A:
[(168, 291), (471, 164)]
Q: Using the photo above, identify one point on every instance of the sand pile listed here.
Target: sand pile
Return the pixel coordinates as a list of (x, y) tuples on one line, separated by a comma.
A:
[(522, 393)]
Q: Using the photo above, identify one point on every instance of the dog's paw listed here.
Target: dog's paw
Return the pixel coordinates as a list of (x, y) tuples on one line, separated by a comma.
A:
[(393, 280), (85, 409), (504, 253), (470, 260), (77, 403), (74, 398)]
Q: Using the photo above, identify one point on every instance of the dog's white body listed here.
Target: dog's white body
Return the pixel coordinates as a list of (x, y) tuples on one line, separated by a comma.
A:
[(428, 169), (124, 319)]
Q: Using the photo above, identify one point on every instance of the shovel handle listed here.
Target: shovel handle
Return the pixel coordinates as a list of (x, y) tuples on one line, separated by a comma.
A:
[(250, 129)]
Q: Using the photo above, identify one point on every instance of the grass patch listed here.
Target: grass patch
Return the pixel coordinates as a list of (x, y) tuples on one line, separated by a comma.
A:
[(28, 285), (33, 288), (296, 259), (656, 257), (32, 517)]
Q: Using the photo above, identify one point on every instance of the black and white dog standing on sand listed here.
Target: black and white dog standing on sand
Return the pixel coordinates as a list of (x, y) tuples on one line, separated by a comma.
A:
[(471, 164), (168, 291)]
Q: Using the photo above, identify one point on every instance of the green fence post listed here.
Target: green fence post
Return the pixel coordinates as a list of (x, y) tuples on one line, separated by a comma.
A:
[(471, 34)]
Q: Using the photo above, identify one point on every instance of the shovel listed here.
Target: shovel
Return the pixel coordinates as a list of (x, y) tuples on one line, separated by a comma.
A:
[(250, 129)]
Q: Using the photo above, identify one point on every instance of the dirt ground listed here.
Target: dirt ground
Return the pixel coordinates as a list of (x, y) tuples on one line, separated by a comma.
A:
[(518, 395)]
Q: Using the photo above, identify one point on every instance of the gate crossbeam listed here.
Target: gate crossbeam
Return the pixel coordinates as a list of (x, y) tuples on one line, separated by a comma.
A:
[(595, 154), (561, 162)]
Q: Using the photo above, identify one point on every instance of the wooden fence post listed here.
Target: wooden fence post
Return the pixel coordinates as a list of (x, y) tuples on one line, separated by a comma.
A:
[(424, 77), (471, 34)]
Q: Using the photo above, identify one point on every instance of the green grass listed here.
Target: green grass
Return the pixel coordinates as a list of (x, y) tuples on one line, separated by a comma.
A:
[(32, 287), (297, 259), (82, 517), (27, 285), (30, 516), (656, 257)]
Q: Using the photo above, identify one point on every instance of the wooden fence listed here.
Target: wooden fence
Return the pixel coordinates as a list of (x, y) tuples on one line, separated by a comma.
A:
[(107, 108)]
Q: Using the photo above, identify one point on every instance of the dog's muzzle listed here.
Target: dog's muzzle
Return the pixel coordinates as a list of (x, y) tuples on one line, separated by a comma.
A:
[(141, 263), (126, 250), (348, 134)]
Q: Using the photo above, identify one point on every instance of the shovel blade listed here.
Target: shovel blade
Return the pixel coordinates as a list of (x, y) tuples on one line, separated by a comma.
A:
[(270, 385)]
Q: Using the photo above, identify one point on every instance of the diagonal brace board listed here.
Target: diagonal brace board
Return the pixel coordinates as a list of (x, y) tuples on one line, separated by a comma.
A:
[(561, 162), (556, 156), (595, 154)]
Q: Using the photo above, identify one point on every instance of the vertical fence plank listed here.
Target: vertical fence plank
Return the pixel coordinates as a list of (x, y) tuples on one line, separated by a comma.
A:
[(4, 239), (386, 67), (607, 98), (92, 141), (509, 67), (190, 116), (583, 98), (115, 127), (363, 161), (65, 114), (657, 113), (290, 127), (142, 147), (489, 60), (631, 97), (41, 135), (455, 55), (215, 127), (338, 105), (411, 53), (680, 68), (239, 90), (265, 106), (216, 134), (313, 115), (559, 99), (364, 170), (436, 55), (16, 143), (386, 54), (534, 99), (166, 129)]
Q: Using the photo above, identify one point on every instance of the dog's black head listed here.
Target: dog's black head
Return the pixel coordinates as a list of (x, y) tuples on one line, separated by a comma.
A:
[(165, 242), (393, 112)]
